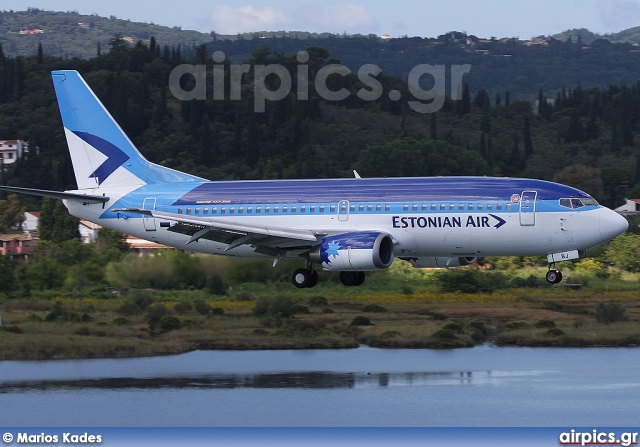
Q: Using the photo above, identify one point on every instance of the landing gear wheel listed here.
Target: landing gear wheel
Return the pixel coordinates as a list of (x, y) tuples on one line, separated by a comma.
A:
[(554, 276), (303, 278), (352, 278), (313, 278)]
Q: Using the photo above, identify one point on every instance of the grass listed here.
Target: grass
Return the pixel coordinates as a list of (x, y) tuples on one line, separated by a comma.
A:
[(417, 318)]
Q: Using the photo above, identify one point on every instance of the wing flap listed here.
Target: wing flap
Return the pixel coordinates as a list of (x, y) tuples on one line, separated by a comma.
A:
[(228, 232)]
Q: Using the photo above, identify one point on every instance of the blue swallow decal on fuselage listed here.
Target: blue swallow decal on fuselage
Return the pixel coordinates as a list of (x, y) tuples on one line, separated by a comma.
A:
[(115, 156)]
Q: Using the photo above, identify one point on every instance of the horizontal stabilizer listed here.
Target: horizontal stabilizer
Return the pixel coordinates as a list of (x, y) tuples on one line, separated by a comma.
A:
[(84, 198)]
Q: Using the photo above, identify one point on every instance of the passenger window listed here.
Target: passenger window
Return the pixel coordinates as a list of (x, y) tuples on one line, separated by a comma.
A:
[(293, 209), (223, 210), (188, 210), (312, 209), (405, 208), (443, 207), (508, 206), (369, 208), (424, 207), (387, 207), (479, 206), (433, 207), (461, 207), (415, 207), (241, 210), (378, 207), (214, 210), (284, 209), (361, 208), (332, 209), (499, 206), (275, 210), (258, 209), (267, 209), (303, 209), (470, 207), (205, 211), (197, 210), (249, 209), (232, 210), (322, 208), (179, 210), (489, 206)]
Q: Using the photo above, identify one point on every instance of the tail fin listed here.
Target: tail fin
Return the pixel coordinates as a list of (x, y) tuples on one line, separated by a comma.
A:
[(101, 153)]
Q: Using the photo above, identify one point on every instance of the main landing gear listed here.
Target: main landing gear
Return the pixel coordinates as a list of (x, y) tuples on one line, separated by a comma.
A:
[(306, 277), (554, 276), (352, 278)]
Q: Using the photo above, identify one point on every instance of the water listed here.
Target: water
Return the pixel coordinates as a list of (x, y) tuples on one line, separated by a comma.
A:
[(482, 386)]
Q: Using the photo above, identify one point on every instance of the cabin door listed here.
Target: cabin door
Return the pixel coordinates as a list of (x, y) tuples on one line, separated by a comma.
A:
[(528, 208), (149, 221)]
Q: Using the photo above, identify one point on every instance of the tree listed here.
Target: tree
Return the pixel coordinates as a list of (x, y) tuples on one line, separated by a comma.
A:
[(56, 224), (11, 215), (624, 252), (586, 178)]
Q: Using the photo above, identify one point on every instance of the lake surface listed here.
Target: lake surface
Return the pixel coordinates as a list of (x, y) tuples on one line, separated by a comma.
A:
[(482, 386)]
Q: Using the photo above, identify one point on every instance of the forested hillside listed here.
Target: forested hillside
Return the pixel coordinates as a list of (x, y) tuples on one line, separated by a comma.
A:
[(586, 137)]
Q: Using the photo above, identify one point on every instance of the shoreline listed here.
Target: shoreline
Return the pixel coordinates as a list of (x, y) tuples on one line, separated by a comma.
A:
[(107, 328)]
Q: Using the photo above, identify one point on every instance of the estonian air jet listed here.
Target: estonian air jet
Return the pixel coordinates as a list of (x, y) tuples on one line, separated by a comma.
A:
[(345, 225)]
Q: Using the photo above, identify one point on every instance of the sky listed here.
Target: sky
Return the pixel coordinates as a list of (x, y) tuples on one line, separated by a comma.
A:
[(424, 18)]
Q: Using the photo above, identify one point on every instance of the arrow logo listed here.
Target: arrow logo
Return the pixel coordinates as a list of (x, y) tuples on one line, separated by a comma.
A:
[(500, 220), (115, 156)]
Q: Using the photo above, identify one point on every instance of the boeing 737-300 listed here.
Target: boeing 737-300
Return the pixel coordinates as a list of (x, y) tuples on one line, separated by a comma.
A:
[(345, 225)]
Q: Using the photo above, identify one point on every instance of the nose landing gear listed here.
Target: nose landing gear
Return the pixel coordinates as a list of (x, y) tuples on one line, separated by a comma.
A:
[(554, 276)]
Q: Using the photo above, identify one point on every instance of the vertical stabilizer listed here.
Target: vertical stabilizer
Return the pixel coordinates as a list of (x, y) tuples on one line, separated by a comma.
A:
[(101, 152)]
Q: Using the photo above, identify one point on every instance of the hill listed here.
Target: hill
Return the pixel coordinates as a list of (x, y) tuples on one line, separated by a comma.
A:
[(69, 34)]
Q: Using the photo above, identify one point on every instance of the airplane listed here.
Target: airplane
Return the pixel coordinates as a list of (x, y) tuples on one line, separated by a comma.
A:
[(346, 225)]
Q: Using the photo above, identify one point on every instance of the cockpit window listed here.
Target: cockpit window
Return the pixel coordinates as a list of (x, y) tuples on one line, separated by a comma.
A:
[(574, 203)]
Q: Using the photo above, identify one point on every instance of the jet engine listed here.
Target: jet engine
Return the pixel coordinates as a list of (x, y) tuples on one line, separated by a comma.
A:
[(360, 251), (441, 262)]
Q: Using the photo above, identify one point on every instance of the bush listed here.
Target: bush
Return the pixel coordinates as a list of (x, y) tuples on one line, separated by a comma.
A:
[(515, 325), (121, 321), (217, 311), (202, 307), (318, 301), (545, 324), (82, 331), (13, 329), (470, 280), (216, 284), (556, 332), (454, 327), (182, 307), (374, 308), (169, 323), (281, 305), (611, 312), (157, 311), (444, 334), (361, 321), (129, 309)]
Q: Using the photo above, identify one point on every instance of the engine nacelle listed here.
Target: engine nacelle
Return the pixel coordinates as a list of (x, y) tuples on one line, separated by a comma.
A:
[(354, 251), (441, 262)]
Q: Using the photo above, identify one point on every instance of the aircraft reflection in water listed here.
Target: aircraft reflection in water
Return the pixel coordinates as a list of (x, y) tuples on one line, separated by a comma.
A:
[(345, 225), (302, 380)]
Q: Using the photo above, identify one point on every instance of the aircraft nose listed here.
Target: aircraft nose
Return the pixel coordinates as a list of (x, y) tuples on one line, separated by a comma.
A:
[(612, 224)]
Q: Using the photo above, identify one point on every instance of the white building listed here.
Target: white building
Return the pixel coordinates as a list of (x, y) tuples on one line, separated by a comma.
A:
[(632, 206), (11, 150)]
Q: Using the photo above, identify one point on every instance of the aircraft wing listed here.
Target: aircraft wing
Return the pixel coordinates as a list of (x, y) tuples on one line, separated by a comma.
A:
[(268, 240)]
